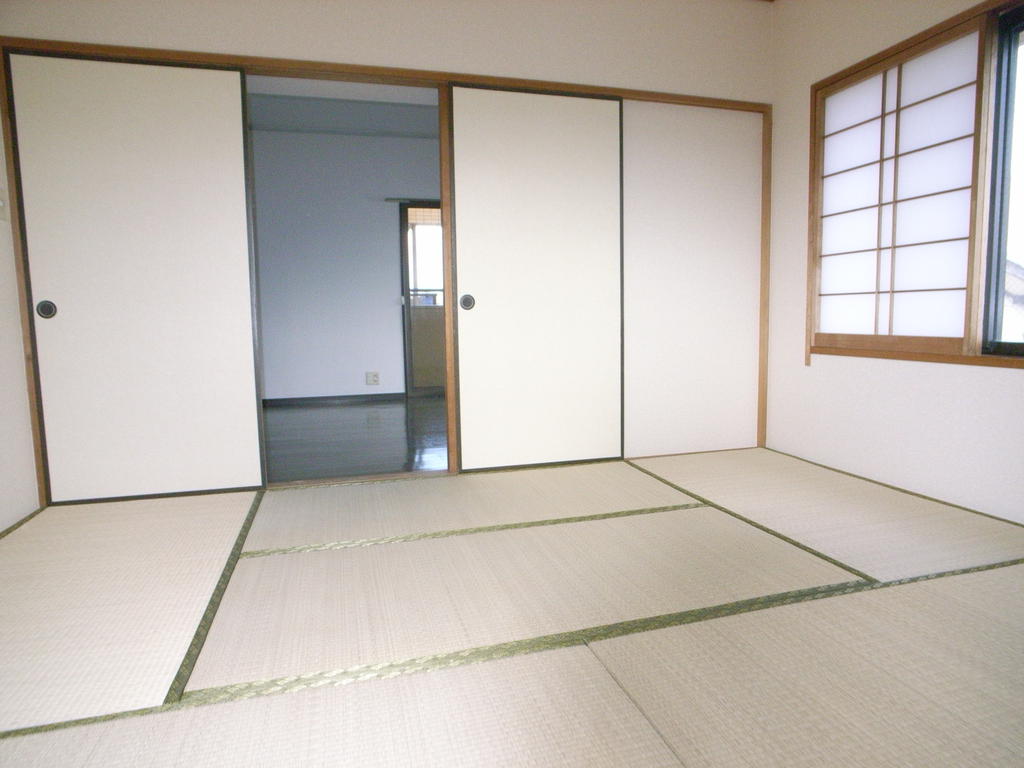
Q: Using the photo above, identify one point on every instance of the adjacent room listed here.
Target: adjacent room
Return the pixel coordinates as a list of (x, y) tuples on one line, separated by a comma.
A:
[(511, 383), (349, 268)]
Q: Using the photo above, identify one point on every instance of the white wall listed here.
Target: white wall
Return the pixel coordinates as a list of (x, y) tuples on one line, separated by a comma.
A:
[(706, 47), (691, 270), (951, 431), (17, 462), (329, 257)]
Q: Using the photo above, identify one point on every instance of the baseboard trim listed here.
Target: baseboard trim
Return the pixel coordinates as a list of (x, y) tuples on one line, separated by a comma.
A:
[(298, 402)]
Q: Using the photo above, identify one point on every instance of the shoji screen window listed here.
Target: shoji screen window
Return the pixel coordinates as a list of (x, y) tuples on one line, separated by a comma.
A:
[(894, 205)]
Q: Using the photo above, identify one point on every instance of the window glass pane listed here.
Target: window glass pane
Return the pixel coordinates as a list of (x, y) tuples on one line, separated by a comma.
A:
[(941, 119), (855, 231), (847, 314), (854, 104), (882, 324), (848, 273), (884, 269), (887, 180), (1011, 329), (941, 69), (890, 90), (429, 273), (939, 265), (938, 169), (885, 228), (849, 190), (929, 313), (889, 145), (940, 217), (856, 146)]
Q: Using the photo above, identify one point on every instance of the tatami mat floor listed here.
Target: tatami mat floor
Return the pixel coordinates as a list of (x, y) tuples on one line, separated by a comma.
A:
[(99, 602), (737, 608), (883, 532)]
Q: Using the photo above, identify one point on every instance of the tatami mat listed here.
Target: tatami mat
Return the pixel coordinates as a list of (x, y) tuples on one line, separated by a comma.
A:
[(880, 531), (924, 674), (99, 602), (295, 517), (558, 708), (336, 609)]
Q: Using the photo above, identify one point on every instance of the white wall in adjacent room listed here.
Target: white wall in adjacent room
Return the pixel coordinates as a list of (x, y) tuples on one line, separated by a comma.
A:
[(329, 258), (951, 431)]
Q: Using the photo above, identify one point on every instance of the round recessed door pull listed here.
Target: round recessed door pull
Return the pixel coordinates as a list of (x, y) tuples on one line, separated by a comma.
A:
[(467, 301), (46, 309)]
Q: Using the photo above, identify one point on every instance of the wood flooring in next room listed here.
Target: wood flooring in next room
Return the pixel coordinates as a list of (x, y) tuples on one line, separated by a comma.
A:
[(330, 438), (737, 608)]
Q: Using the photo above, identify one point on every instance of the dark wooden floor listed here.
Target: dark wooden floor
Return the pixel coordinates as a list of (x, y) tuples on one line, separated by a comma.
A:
[(319, 440)]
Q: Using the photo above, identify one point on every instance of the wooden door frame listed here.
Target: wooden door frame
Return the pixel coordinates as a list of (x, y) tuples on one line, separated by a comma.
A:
[(443, 82)]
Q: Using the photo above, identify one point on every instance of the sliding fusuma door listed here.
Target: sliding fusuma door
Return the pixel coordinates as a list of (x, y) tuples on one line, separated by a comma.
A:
[(132, 181), (538, 272)]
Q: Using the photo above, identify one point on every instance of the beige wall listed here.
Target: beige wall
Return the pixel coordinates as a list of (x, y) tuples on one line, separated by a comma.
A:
[(704, 47), (951, 431)]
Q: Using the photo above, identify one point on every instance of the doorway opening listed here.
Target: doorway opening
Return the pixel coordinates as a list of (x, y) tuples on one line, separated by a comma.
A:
[(349, 361)]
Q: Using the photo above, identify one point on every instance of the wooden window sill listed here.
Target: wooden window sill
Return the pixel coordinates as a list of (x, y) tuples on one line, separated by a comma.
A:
[(992, 361)]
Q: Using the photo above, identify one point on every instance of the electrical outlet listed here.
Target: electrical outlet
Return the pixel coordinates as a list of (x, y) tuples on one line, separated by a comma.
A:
[(372, 377)]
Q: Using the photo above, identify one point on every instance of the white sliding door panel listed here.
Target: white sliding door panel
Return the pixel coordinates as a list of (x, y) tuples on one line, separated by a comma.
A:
[(133, 183), (692, 250), (537, 212)]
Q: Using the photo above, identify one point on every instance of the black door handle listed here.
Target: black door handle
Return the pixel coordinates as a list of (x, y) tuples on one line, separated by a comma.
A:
[(467, 301), (46, 309)]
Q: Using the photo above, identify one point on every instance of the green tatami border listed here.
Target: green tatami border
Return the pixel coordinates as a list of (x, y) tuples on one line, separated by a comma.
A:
[(465, 531), (707, 502), (199, 638), (254, 689)]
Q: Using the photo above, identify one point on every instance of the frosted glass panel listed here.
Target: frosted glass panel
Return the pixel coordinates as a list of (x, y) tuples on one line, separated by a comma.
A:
[(885, 228), (854, 104), (937, 169), (889, 146), (941, 119), (940, 70), (849, 273), (847, 314), (887, 180), (852, 189), (929, 313), (884, 269), (890, 90), (941, 217), (855, 231), (856, 146), (882, 326), (939, 265)]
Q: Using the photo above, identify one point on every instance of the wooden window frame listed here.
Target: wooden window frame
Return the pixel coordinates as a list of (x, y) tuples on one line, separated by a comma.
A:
[(967, 350)]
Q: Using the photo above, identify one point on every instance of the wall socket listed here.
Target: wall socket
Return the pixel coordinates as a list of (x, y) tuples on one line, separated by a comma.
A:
[(372, 377)]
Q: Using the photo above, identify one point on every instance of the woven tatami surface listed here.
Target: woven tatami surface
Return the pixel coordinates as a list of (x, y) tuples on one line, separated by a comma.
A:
[(558, 708), (924, 674), (317, 611), (99, 602), (295, 517), (880, 531)]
